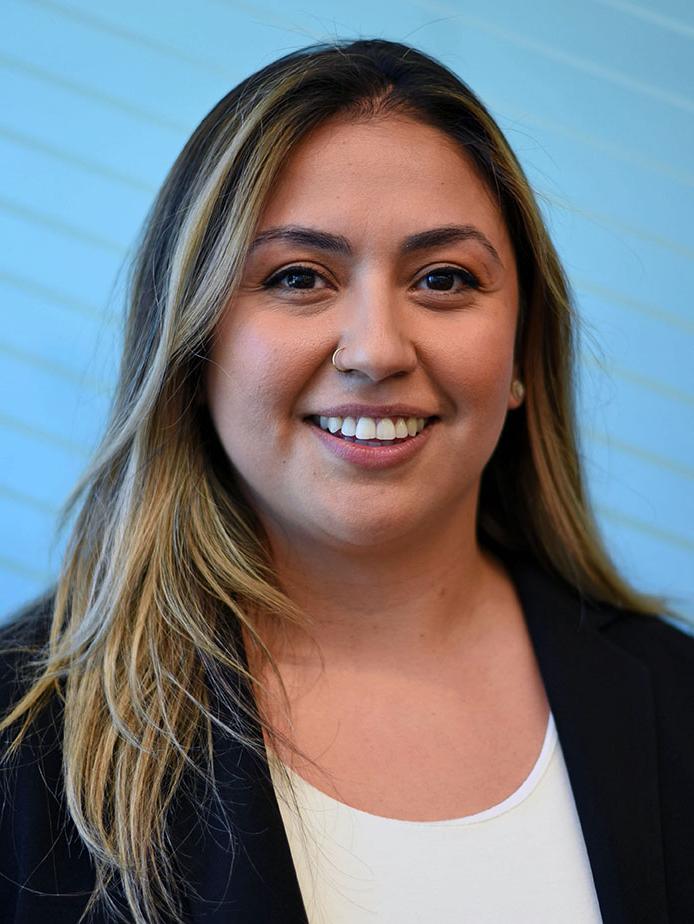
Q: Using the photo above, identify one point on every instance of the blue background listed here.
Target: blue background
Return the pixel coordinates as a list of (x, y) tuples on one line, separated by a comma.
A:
[(97, 98)]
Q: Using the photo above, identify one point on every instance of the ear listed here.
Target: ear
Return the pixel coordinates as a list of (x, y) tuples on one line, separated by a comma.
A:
[(516, 395)]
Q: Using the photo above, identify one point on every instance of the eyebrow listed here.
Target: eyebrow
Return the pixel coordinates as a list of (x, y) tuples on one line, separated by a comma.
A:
[(337, 244)]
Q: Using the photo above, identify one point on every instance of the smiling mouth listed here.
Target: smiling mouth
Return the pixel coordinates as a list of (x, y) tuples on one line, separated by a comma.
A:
[(367, 431)]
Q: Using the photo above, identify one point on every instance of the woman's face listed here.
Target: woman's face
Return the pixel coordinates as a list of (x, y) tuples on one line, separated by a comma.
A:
[(427, 328)]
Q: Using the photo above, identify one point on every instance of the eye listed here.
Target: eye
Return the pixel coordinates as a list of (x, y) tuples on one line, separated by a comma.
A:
[(442, 279), (298, 277), (302, 278)]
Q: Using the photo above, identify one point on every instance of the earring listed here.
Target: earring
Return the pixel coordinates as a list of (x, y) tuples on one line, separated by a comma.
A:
[(518, 389)]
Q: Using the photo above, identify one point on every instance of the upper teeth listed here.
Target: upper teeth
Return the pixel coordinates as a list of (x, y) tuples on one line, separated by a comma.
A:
[(371, 428)]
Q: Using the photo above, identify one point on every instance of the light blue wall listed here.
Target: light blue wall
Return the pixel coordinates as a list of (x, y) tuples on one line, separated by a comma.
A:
[(97, 98)]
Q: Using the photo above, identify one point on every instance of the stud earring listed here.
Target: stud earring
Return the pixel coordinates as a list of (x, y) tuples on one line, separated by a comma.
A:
[(518, 389)]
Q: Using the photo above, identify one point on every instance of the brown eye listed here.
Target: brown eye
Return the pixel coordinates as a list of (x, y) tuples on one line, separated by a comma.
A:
[(298, 278), (442, 280)]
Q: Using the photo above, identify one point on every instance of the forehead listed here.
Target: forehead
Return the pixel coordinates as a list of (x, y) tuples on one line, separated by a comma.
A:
[(380, 178)]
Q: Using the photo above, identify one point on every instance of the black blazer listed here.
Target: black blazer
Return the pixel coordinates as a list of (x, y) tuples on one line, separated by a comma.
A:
[(621, 687)]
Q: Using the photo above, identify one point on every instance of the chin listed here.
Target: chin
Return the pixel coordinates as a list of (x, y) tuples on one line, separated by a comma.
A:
[(370, 531)]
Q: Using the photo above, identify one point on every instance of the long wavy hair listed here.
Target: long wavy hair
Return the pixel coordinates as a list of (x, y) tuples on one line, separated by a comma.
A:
[(165, 562)]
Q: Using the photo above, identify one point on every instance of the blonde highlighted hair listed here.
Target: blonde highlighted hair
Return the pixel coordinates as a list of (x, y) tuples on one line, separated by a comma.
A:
[(165, 562)]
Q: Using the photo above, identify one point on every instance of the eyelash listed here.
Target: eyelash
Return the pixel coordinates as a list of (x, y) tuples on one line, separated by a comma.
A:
[(471, 281)]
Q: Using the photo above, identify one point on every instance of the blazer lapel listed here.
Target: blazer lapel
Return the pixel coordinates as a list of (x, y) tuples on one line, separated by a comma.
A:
[(232, 852), (239, 866), (603, 708)]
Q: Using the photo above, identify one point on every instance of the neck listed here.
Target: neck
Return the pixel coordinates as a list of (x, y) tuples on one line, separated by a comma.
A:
[(404, 600)]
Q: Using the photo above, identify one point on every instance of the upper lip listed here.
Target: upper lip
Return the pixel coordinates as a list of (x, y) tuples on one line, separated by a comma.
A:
[(372, 410)]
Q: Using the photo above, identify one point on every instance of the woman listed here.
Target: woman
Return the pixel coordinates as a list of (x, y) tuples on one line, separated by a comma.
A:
[(335, 585)]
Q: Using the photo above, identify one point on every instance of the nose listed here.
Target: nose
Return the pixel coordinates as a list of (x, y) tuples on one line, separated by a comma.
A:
[(376, 337)]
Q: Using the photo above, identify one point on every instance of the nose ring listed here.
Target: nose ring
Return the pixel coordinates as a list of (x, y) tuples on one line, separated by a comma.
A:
[(339, 368)]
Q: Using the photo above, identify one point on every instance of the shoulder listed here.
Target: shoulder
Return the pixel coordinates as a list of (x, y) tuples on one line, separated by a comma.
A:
[(22, 637), (652, 635), (665, 648), (23, 641), (45, 872), (29, 619), (560, 614)]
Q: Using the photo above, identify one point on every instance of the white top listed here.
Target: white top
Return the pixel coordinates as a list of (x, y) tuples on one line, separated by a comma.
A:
[(523, 860)]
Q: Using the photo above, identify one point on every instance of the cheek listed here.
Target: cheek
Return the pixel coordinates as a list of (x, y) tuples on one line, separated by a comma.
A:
[(480, 364), (257, 372), (232, 387)]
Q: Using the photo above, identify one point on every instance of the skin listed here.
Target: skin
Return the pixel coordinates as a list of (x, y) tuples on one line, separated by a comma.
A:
[(388, 555)]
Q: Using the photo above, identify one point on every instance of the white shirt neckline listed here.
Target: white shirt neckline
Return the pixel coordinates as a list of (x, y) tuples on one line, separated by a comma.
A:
[(510, 802)]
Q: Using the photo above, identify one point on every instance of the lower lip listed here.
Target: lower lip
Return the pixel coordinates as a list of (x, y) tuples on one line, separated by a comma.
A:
[(373, 457)]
